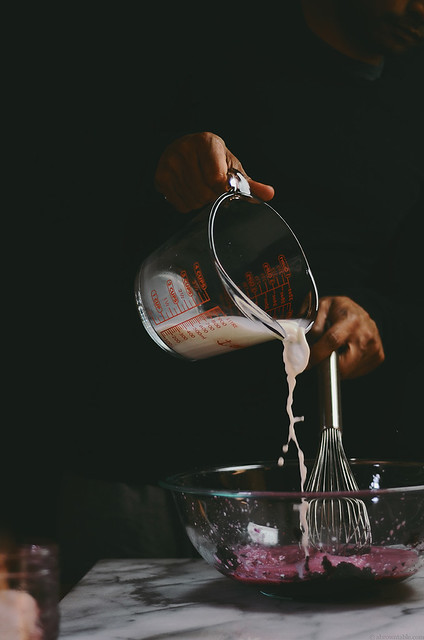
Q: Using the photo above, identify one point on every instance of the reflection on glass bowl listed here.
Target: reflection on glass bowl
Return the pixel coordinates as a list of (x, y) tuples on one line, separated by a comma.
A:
[(248, 522)]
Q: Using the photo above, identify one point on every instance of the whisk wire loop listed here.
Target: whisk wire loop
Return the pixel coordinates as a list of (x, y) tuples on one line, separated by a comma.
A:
[(339, 526)]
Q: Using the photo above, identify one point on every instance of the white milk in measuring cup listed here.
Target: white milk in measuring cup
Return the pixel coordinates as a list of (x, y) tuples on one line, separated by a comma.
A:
[(228, 280)]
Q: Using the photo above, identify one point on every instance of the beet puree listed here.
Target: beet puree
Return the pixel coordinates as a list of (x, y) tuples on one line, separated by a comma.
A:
[(285, 564)]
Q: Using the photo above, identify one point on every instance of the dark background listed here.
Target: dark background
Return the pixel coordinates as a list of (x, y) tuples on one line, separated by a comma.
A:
[(87, 390)]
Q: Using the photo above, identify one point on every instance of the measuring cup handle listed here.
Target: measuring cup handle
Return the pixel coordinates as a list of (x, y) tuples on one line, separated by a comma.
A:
[(238, 182)]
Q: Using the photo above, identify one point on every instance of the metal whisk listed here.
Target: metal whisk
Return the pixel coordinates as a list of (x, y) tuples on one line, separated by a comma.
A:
[(339, 526)]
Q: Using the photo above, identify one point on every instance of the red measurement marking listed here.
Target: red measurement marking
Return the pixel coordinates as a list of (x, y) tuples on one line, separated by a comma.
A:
[(186, 283), (181, 300), (250, 279), (270, 273), (199, 275), (156, 300), (196, 327), (283, 261), (271, 289), (171, 290)]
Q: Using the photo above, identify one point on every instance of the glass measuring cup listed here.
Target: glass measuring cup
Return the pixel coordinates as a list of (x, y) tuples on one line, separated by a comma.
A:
[(228, 280)]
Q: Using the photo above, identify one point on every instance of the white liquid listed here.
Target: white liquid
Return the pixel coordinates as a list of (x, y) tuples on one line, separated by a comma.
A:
[(206, 335), (295, 357)]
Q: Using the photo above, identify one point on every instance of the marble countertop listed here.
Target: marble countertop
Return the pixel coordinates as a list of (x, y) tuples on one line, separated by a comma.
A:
[(183, 599)]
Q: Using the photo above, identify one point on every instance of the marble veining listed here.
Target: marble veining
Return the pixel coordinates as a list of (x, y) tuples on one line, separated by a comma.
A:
[(187, 599)]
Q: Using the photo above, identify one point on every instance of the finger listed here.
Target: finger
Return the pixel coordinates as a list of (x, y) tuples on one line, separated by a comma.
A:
[(358, 353), (319, 325), (192, 184), (333, 339), (355, 362), (188, 167), (363, 353), (260, 190), (216, 173), (214, 161), (202, 168)]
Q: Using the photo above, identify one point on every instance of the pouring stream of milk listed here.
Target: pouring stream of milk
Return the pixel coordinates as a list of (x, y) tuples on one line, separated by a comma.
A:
[(295, 356)]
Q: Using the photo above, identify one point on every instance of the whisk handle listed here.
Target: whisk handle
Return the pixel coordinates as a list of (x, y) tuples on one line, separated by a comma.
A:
[(329, 393)]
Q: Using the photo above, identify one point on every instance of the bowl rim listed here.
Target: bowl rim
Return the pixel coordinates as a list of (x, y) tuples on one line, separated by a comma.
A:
[(172, 482)]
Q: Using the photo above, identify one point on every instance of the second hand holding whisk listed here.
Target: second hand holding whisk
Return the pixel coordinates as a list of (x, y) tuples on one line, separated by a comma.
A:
[(337, 525)]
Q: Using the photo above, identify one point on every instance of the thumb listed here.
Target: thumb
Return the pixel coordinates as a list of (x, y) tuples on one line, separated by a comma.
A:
[(258, 189), (263, 191)]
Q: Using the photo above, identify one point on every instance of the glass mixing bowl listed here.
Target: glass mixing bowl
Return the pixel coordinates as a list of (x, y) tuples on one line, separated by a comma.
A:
[(249, 523)]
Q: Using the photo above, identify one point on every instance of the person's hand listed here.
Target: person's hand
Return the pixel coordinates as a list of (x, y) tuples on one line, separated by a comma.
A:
[(192, 172), (344, 326)]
